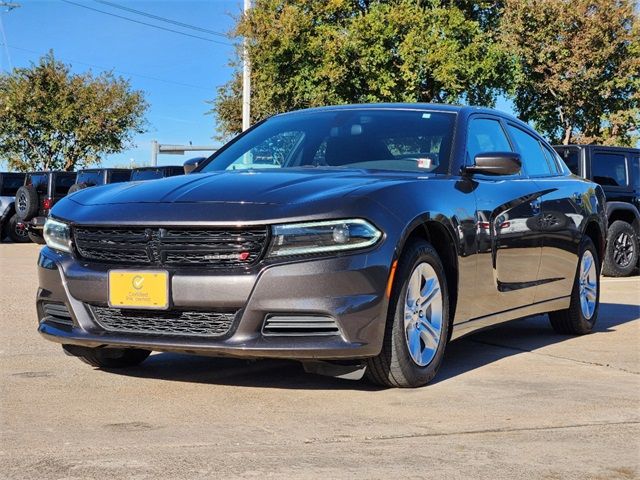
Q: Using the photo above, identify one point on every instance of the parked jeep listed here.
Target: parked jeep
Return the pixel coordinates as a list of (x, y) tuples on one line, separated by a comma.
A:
[(40, 192), (92, 177), (618, 171), (153, 173), (10, 225)]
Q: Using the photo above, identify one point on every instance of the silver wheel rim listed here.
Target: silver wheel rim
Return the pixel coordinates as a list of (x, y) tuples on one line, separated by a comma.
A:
[(623, 250), (588, 285), (423, 314)]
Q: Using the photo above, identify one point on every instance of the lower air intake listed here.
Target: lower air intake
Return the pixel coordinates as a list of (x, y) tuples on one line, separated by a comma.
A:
[(57, 313), (300, 326), (165, 322)]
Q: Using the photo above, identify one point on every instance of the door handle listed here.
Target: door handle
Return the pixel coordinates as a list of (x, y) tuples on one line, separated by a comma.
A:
[(577, 198), (535, 206)]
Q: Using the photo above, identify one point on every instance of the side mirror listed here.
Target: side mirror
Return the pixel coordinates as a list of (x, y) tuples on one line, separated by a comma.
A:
[(496, 163), (191, 164)]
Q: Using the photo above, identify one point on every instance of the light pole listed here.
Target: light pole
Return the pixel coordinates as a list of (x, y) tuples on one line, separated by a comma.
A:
[(246, 78)]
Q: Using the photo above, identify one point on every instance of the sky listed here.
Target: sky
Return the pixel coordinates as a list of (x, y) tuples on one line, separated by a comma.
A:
[(178, 73)]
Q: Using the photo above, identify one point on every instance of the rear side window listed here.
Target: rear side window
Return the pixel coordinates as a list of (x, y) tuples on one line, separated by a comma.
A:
[(40, 182), (609, 169), (571, 157), (533, 157), (485, 135), (63, 183), (117, 177), (90, 178), (635, 172), (146, 174)]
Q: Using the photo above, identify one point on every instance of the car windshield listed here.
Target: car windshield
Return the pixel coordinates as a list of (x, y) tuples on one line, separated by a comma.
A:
[(91, 178), (382, 139)]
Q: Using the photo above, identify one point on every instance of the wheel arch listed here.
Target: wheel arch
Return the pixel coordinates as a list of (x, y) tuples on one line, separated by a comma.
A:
[(597, 234), (439, 232)]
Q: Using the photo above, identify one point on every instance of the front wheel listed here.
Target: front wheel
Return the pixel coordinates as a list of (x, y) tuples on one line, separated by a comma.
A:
[(108, 357), (582, 313), (417, 326)]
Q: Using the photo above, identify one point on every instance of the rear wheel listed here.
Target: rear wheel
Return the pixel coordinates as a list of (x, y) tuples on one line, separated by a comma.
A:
[(108, 357), (418, 321), (621, 256), (582, 313), (16, 230), (36, 237)]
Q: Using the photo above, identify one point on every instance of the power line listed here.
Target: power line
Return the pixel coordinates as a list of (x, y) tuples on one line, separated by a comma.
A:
[(162, 19), (144, 23), (107, 69), (4, 40)]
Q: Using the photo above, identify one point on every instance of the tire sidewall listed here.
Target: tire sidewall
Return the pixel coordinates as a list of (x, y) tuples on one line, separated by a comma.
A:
[(419, 252), (29, 195), (611, 267), (12, 232)]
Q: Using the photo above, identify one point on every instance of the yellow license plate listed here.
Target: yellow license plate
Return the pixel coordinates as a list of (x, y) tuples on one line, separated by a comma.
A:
[(139, 289)]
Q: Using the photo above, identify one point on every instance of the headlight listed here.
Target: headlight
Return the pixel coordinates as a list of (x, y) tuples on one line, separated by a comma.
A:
[(325, 236), (57, 235)]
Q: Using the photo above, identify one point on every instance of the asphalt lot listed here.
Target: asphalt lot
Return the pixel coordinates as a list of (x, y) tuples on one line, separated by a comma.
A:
[(515, 402)]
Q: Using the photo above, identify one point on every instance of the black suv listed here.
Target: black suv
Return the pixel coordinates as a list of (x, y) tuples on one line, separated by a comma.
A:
[(40, 192), (92, 177), (618, 171), (153, 173), (10, 225)]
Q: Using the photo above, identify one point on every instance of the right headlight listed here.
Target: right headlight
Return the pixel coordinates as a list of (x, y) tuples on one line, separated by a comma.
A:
[(322, 237), (57, 235)]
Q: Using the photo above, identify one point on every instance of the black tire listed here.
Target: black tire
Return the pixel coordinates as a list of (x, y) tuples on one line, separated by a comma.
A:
[(26, 203), (394, 366), (573, 321), (36, 238), (78, 186), (621, 256), (15, 232), (108, 357)]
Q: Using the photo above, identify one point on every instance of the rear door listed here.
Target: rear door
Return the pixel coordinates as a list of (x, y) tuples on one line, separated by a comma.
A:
[(508, 249), (563, 200)]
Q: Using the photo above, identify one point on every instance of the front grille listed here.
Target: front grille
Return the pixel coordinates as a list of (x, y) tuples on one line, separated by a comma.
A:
[(211, 247), (166, 322), (57, 313)]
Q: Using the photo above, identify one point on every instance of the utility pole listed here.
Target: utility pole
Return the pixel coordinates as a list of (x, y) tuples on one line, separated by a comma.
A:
[(246, 78)]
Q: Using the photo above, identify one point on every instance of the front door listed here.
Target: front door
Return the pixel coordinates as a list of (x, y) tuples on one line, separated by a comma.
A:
[(509, 243)]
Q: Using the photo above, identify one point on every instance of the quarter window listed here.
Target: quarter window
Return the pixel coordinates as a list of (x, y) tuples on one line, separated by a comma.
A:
[(486, 135), (533, 158), (609, 169)]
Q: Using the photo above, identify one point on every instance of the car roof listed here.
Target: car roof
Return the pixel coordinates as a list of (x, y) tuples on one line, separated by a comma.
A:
[(157, 167), (12, 173), (82, 170), (605, 147)]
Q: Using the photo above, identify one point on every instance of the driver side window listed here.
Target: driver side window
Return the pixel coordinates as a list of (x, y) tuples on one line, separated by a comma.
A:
[(485, 135)]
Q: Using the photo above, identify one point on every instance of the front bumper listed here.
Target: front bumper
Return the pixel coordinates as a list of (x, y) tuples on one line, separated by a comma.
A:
[(349, 289)]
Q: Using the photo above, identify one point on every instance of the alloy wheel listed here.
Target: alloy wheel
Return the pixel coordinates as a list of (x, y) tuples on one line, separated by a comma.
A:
[(623, 250), (588, 284), (423, 314)]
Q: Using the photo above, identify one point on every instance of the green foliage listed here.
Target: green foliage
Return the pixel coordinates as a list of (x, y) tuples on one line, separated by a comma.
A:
[(579, 68), (307, 53), (52, 119)]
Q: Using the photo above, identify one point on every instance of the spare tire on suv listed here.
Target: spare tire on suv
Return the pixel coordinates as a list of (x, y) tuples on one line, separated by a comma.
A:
[(26, 204)]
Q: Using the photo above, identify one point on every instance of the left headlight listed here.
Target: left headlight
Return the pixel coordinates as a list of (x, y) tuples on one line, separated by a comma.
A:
[(321, 237), (57, 235)]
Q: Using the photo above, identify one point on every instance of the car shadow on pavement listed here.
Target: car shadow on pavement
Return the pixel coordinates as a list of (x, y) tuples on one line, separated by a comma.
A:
[(464, 355)]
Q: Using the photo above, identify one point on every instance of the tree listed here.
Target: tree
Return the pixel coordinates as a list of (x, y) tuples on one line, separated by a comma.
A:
[(307, 53), (579, 68), (52, 119)]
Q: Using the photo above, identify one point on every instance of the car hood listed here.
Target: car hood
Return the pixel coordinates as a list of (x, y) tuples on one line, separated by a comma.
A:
[(266, 187)]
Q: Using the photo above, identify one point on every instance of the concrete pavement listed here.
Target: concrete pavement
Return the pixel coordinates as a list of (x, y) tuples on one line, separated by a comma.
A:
[(518, 401)]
